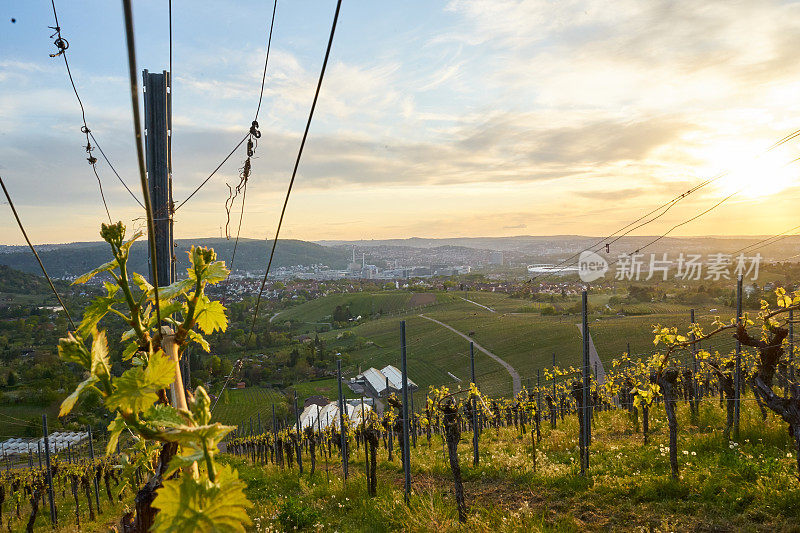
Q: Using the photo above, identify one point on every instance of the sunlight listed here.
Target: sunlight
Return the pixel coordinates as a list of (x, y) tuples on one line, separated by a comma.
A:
[(759, 176)]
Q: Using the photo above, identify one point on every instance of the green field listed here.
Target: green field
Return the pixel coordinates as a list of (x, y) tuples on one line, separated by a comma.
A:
[(527, 341), (243, 404), (365, 304), (437, 356)]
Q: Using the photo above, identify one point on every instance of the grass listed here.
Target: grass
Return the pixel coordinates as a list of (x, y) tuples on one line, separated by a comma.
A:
[(242, 405), (365, 304), (525, 340), (750, 487)]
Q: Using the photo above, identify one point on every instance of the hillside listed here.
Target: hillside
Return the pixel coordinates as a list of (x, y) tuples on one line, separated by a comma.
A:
[(65, 260), (17, 282)]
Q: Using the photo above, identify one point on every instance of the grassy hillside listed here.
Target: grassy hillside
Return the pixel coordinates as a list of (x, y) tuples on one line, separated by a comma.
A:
[(527, 341), (308, 316), (749, 488)]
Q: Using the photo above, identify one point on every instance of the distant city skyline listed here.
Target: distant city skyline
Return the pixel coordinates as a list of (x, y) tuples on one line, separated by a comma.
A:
[(436, 119)]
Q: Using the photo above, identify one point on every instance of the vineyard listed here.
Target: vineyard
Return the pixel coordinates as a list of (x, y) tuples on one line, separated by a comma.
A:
[(648, 380)]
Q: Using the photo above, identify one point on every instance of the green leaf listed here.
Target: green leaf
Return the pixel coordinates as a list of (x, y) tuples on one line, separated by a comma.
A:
[(166, 416), (176, 289), (186, 504), (136, 388), (100, 363), (125, 248), (111, 265), (180, 461), (69, 401), (129, 350), (115, 429), (201, 406), (111, 288), (167, 308), (195, 435), (160, 371), (216, 272), (94, 313), (71, 350), (142, 283), (199, 339), (210, 316)]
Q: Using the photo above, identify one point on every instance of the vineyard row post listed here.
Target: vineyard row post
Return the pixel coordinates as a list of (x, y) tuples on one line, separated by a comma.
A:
[(49, 475), (413, 422), (695, 380), (792, 385), (553, 411), (587, 418), (299, 435), (406, 447), (538, 404), (475, 436), (94, 474), (738, 371), (342, 437), (274, 435)]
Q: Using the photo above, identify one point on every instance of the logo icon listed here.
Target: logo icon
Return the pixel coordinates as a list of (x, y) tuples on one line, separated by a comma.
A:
[(591, 266)]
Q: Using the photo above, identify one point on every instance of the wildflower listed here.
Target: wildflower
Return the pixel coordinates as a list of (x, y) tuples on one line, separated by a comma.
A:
[(685, 452), (694, 453)]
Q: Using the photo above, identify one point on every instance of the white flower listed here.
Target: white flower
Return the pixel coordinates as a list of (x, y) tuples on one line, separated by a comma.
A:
[(685, 452), (694, 453)]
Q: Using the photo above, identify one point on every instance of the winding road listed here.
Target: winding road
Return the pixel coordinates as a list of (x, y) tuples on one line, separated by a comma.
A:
[(515, 379), (479, 305)]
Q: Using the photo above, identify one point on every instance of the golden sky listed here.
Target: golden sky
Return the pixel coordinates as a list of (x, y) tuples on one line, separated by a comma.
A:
[(436, 119)]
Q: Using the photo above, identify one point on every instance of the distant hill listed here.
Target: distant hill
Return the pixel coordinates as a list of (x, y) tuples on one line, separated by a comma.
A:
[(557, 246), (18, 282), (65, 260)]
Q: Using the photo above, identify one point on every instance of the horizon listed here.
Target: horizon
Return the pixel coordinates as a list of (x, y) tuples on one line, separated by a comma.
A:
[(347, 241)]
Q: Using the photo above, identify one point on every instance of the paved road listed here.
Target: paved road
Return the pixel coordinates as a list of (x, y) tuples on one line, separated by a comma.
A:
[(273, 317), (479, 305), (515, 379)]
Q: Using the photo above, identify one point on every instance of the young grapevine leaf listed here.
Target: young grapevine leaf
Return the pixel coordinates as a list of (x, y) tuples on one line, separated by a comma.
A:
[(210, 315), (111, 265), (136, 388), (186, 504)]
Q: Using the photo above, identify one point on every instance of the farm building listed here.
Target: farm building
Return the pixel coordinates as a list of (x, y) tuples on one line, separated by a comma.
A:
[(381, 383)]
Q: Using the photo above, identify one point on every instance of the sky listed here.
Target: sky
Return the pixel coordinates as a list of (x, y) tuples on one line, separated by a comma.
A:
[(435, 119)]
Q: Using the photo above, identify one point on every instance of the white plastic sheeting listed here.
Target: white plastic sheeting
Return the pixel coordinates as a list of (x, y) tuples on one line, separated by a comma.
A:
[(329, 414), (58, 440)]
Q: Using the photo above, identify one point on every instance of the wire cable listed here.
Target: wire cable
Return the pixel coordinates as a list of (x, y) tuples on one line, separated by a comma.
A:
[(296, 165), (255, 120), (62, 45), (36, 254), (247, 136), (97, 144), (137, 128), (669, 205)]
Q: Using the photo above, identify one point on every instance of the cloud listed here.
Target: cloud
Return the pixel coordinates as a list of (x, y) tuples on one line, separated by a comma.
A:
[(623, 194), (516, 226)]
